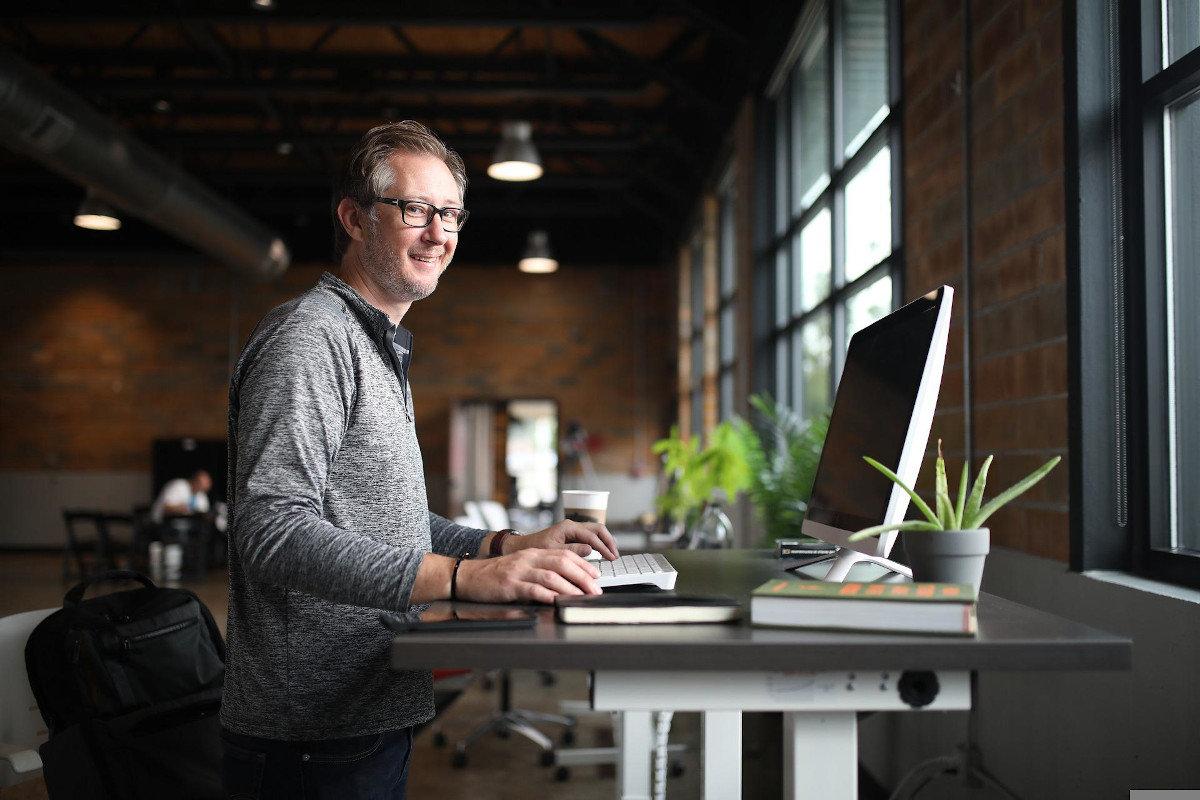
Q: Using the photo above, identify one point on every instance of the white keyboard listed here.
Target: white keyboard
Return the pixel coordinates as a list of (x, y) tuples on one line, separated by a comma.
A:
[(637, 568)]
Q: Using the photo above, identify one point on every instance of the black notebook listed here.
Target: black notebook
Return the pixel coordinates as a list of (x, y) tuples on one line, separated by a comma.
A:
[(636, 608)]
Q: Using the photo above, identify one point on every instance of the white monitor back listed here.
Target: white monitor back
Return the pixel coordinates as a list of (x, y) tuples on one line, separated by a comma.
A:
[(884, 409)]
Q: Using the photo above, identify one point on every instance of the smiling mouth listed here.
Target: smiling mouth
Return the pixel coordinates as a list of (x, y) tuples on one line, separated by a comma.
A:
[(426, 259)]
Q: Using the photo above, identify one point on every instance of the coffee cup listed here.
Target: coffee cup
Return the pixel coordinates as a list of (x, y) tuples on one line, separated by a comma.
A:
[(585, 506)]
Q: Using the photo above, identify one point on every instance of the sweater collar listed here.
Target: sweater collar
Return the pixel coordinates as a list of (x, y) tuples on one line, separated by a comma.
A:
[(375, 321)]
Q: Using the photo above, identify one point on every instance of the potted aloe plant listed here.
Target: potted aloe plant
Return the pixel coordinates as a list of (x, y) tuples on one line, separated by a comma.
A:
[(950, 545)]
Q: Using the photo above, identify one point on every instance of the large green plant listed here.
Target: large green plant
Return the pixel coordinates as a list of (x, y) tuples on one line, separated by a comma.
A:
[(699, 471), (968, 513), (782, 451)]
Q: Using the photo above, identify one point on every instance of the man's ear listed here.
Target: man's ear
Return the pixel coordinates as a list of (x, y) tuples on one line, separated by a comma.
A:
[(350, 215)]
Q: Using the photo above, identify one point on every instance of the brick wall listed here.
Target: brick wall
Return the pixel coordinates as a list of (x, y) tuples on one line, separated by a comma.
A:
[(99, 360), (1018, 366), (596, 340)]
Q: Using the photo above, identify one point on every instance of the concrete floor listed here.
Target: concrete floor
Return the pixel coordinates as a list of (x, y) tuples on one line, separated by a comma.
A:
[(497, 769)]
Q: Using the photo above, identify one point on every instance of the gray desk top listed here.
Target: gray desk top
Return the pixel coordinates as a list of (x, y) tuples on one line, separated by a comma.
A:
[(1011, 637)]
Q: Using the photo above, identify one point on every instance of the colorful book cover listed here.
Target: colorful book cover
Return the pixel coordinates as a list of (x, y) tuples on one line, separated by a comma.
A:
[(944, 592)]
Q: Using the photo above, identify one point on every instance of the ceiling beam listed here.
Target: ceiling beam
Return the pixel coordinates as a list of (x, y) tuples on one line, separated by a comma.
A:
[(652, 72), (301, 88), (264, 141), (465, 14)]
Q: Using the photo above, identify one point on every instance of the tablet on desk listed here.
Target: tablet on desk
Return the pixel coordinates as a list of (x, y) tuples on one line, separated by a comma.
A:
[(443, 616)]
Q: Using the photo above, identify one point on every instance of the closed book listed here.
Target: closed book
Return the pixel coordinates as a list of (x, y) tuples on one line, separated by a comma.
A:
[(943, 608), (640, 608)]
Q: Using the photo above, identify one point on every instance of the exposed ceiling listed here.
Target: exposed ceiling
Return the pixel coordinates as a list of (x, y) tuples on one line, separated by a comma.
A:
[(630, 103)]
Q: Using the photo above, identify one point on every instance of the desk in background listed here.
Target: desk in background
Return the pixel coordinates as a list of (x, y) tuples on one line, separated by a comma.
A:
[(820, 680)]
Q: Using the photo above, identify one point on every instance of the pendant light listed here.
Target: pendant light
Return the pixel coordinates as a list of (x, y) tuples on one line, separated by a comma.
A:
[(96, 215), (516, 159), (537, 257)]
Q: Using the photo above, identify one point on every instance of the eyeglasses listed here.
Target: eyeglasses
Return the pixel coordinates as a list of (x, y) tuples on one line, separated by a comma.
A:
[(418, 215)]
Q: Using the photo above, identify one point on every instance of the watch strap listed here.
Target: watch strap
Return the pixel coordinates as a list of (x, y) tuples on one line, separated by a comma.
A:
[(497, 546)]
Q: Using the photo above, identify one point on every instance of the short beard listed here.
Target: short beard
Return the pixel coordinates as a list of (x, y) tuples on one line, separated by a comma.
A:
[(380, 260)]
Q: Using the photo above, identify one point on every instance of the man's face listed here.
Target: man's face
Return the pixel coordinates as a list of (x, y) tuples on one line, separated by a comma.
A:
[(406, 262)]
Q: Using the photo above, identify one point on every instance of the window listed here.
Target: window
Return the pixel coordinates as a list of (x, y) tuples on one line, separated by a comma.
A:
[(1135, 247), (697, 332), (827, 258), (726, 294)]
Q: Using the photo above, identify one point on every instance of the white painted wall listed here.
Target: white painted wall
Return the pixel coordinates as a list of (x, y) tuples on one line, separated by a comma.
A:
[(1065, 735), (32, 502)]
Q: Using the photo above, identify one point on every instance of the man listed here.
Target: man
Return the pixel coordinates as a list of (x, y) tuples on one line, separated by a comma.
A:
[(183, 496), (329, 518)]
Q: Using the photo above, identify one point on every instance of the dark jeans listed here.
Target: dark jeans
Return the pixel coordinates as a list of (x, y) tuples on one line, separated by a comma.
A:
[(371, 767)]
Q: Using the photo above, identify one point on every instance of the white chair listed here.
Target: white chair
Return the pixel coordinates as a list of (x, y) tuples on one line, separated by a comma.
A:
[(472, 516), (22, 729), (495, 515)]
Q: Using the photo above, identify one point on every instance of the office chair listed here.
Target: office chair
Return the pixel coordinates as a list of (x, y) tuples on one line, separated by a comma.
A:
[(510, 720), (22, 729)]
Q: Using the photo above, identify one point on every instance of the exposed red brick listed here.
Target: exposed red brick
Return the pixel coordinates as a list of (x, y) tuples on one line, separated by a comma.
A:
[(1011, 276), (993, 37), (1048, 31), (1032, 319), (1040, 423), (1052, 147), (1048, 533), (925, 148), (1025, 218), (1052, 259), (1016, 70)]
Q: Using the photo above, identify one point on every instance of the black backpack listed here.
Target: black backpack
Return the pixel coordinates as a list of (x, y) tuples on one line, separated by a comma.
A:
[(129, 685)]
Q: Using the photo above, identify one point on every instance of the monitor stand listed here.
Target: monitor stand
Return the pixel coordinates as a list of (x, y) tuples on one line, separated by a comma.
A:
[(847, 558)]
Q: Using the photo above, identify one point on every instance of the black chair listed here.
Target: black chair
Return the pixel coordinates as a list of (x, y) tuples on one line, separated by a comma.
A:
[(89, 533), (195, 533)]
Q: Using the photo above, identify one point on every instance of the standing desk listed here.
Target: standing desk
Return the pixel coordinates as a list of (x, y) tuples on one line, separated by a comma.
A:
[(819, 680)]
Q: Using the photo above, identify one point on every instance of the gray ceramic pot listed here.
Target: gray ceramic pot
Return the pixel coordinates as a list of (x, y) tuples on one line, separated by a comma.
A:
[(948, 556)]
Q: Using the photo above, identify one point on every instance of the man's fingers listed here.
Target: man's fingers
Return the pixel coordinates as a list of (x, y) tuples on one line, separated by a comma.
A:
[(569, 570)]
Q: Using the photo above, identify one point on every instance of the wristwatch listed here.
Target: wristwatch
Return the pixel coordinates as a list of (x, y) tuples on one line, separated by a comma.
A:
[(497, 547)]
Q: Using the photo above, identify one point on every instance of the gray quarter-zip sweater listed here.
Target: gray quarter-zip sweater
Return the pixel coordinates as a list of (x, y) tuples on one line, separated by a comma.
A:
[(329, 523)]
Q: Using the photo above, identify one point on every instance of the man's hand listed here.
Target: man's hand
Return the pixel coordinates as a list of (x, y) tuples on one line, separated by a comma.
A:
[(528, 574), (578, 537)]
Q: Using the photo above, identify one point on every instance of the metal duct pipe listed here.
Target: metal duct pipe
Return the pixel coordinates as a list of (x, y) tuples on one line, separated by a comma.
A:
[(44, 121)]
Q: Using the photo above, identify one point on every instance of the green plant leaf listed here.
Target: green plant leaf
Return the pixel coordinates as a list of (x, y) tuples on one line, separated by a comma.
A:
[(945, 511), (921, 504), (909, 525), (781, 451), (1014, 491), (976, 498), (962, 498)]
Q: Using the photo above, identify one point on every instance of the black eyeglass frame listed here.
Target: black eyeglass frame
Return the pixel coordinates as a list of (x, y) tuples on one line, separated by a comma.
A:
[(400, 203)]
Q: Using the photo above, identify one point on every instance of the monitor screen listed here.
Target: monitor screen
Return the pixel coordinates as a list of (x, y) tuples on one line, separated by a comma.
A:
[(883, 409)]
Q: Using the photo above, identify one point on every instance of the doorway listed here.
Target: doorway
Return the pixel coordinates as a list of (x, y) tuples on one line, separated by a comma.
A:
[(506, 450)]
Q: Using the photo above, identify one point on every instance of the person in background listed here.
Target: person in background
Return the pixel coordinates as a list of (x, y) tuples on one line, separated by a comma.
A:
[(329, 521), (183, 496)]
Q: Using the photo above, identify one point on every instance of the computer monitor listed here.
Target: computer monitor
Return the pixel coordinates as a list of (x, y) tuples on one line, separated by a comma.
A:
[(883, 409)]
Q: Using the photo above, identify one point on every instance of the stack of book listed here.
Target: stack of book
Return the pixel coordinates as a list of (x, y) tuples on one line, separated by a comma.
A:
[(940, 608)]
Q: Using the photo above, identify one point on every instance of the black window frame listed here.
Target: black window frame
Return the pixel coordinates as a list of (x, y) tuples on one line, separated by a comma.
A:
[(1116, 92), (770, 239)]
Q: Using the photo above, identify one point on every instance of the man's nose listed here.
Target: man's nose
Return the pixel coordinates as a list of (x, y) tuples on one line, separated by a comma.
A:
[(435, 233)]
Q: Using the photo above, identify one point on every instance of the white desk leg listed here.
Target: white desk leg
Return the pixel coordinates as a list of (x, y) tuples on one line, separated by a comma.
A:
[(634, 746), (722, 754), (820, 755)]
